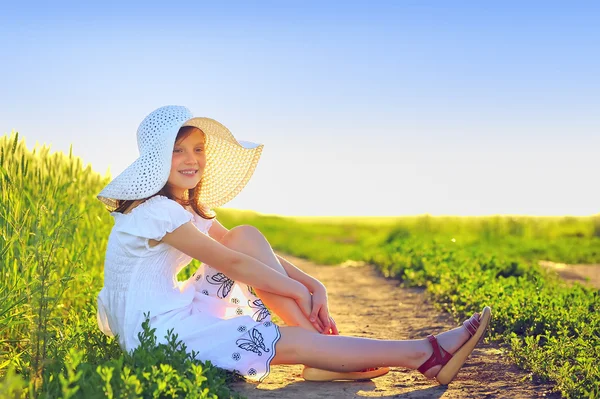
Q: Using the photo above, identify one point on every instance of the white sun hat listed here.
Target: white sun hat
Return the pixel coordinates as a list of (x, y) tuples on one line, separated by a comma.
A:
[(229, 163)]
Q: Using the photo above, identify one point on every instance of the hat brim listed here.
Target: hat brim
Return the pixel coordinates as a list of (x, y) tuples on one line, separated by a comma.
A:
[(229, 163), (229, 166), (137, 181)]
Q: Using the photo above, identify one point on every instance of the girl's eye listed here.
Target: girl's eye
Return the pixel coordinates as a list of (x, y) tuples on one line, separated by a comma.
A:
[(177, 150), (199, 149)]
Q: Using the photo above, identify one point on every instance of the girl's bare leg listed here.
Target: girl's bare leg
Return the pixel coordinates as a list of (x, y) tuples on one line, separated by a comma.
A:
[(250, 241), (343, 354), (306, 346)]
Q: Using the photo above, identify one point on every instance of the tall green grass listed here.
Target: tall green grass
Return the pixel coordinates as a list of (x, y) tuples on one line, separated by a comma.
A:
[(53, 236)]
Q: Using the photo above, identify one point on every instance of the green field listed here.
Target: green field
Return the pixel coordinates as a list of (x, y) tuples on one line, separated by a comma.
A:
[(53, 234)]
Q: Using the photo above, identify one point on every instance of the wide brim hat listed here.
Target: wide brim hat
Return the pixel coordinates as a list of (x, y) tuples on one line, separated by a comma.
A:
[(229, 163)]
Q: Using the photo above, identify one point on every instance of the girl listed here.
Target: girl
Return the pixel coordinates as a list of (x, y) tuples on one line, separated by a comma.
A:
[(162, 208)]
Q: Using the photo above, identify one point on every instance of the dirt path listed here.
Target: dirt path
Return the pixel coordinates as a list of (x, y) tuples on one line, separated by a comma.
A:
[(584, 274), (367, 305)]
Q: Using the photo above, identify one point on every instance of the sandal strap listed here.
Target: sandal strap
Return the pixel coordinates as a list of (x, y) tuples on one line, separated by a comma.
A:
[(438, 357), (472, 324)]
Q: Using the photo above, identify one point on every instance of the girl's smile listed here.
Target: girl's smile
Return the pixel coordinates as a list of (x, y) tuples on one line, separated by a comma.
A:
[(189, 172)]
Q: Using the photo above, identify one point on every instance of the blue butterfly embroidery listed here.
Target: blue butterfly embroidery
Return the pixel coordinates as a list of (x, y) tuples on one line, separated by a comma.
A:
[(225, 284), (262, 312), (254, 344)]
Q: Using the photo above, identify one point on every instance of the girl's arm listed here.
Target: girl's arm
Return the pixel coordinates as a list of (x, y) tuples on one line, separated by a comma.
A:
[(306, 279), (236, 265), (318, 301), (217, 231)]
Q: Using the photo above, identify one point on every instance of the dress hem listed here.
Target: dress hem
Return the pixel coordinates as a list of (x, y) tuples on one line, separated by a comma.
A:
[(268, 371)]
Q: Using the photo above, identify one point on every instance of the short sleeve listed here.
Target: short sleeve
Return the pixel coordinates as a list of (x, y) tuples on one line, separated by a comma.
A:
[(153, 219)]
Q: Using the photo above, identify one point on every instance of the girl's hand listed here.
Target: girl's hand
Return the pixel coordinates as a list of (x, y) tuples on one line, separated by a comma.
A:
[(334, 329), (319, 314), (304, 301)]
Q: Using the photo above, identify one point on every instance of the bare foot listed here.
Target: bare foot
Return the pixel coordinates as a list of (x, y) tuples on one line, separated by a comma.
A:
[(449, 341)]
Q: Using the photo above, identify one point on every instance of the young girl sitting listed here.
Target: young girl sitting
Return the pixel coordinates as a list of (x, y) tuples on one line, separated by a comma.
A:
[(162, 205)]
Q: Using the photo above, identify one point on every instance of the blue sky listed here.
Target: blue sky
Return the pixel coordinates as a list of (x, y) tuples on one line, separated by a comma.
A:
[(365, 108)]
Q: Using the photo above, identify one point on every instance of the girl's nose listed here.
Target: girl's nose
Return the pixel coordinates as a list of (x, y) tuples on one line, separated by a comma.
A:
[(190, 159)]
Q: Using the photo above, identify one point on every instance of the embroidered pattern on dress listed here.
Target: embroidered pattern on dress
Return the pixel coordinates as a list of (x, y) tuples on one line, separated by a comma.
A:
[(254, 344), (261, 312), (225, 284), (236, 356), (251, 371), (242, 329), (251, 290)]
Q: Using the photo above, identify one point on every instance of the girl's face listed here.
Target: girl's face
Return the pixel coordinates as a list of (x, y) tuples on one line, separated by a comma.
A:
[(188, 162)]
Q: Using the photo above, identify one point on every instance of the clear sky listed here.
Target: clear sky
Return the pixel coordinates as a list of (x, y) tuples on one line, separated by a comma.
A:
[(365, 108)]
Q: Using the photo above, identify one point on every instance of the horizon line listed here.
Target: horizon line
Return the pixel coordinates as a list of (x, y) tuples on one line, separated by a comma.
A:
[(414, 215)]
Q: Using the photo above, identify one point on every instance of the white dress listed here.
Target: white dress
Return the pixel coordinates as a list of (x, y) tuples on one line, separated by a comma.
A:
[(220, 319)]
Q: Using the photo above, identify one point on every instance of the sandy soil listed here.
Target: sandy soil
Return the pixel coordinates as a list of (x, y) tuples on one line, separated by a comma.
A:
[(368, 305), (584, 274)]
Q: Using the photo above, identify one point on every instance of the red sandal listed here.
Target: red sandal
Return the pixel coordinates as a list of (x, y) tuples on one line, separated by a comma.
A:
[(452, 363)]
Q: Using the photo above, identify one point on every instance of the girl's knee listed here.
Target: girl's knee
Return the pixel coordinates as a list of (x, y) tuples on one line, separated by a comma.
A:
[(241, 233)]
